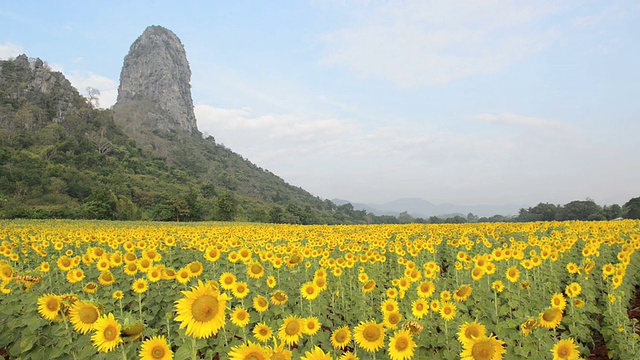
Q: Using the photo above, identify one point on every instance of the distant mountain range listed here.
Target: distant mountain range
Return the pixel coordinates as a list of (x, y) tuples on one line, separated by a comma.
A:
[(417, 207)]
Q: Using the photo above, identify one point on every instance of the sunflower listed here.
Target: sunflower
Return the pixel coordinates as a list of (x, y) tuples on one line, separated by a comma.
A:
[(565, 350), (227, 280), (513, 274), (107, 333), (106, 278), (212, 254), (420, 308), (484, 348), (155, 348), (195, 268), (255, 270), (140, 286), (311, 326), (155, 274), (49, 306), (64, 263), (271, 282), (168, 274), (573, 290), (240, 290), (368, 286), (75, 275), (497, 286), (369, 336), (309, 291), (131, 268), (578, 303), (391, 319), (426, 289), (550, 318), (90, 288), (389, 305), (316, 354), (262, 332), (448, 310), (249, 351), (278, 352), (445, 295), (144, 264), (471, 331), (240, 317), (435, 305), (401, 345), (349, 356), (341, 337), (558, 301), (183, 276), (321, 282), (201, 311), (279, 298), (477, 273), (83, 316), (118, 295), (291, 330), (463, 293), (260, 303)]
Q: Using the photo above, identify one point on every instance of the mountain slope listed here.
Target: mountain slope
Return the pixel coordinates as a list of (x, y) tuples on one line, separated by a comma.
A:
[(60, 157)]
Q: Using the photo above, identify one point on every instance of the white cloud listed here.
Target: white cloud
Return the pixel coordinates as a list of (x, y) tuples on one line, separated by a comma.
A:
[(81, 79), (522, 120), (417, 42), (342, 158), (10, 50)]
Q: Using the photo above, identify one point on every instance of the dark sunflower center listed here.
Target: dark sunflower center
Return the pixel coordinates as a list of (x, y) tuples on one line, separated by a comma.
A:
[(563, 352), (256, 269), (292, 328), (88, 315), (309, 290), (402, 344), (52, 304), (261, 302), (110, 333), (394, 318), (205, 308), (472, 332), (371, 333), (482, 351), (157, 352), (341, 336)]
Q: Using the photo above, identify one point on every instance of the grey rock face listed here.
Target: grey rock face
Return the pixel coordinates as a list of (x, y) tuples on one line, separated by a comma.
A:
[(156, 70)]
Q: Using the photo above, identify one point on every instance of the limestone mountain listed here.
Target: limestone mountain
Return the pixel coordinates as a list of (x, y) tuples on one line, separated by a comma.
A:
[(156, 71)]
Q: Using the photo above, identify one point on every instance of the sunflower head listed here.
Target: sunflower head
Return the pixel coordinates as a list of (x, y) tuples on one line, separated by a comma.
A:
[(49, 306), (484, 348), (471, 331), (565, 350), (369, 336), (341, 337), (83, 316), (401, 345), (201, 311)]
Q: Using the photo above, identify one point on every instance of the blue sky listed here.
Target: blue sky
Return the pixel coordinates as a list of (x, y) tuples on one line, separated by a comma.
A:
[(465, 102)]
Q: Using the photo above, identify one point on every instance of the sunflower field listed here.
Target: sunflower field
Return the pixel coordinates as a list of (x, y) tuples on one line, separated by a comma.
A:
[(134, 290)]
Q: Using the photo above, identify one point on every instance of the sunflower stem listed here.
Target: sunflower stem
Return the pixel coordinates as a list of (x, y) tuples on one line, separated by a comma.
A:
[(140, 305), (194, 352), (124, 354)]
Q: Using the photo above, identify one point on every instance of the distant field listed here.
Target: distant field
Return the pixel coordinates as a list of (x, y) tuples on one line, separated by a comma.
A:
[(128, 290)]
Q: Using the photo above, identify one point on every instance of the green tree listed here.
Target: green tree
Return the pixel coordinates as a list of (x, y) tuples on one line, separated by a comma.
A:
[(631, 209), (226, 207)]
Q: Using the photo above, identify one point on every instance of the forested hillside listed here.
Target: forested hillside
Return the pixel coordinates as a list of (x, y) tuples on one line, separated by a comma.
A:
[(61, 157)]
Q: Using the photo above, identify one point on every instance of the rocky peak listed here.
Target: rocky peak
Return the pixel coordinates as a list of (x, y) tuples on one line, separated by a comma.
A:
[(156, 73)]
